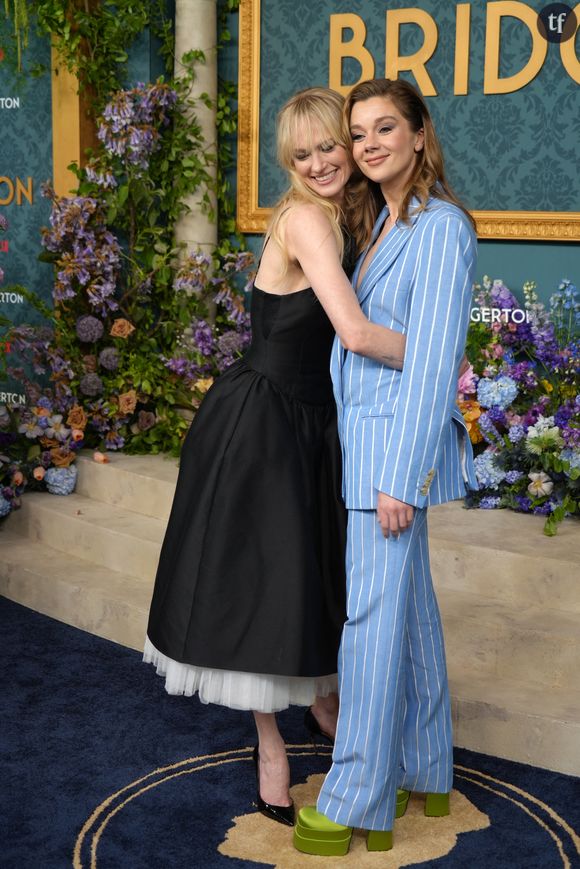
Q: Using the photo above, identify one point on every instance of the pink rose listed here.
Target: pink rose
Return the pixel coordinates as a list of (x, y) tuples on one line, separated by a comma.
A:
[(466, 383)]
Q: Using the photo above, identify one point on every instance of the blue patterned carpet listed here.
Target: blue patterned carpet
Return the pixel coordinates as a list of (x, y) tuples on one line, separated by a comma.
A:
[(101, 768)]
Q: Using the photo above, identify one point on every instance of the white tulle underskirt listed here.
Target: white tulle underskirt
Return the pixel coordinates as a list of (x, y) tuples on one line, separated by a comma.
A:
[(260, 692)]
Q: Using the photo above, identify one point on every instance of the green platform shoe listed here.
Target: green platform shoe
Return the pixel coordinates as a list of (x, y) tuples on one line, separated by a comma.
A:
[(316, 834), (436, 805)]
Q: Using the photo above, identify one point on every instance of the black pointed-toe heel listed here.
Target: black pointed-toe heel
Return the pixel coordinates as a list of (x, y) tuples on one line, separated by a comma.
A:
[(314, 728), (282, 814)]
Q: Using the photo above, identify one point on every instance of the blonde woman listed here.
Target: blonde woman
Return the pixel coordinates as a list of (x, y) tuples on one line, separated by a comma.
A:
[(249, 599)]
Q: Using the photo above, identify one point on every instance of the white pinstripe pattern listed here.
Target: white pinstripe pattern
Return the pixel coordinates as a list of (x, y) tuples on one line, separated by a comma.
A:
[(419, 283), (402, 434), (394, 725)]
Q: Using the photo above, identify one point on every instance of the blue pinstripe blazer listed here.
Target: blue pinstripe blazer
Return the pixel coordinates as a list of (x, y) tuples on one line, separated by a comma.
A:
[(401, 431)]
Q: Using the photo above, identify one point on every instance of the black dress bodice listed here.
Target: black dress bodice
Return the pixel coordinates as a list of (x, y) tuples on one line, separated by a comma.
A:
[(291, 343)]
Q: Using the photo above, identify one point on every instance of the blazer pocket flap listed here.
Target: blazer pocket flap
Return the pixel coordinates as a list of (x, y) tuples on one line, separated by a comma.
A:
[(387, 408)]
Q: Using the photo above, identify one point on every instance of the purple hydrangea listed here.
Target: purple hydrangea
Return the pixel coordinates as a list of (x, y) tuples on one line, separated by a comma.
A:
[(516, 433), (513, 476), (109, 358), (496, 415), (544, 509), (524, 503), (89, 329), (91, 384), (488, 429)]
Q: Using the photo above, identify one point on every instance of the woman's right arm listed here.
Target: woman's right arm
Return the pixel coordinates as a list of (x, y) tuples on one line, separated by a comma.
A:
[(310, 240)]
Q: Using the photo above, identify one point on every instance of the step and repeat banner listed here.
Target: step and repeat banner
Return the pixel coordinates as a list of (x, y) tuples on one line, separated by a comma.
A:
[(501, 80), (25, 164)]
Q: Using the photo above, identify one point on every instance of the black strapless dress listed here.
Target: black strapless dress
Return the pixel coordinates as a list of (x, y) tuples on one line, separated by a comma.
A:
[(250, 588)]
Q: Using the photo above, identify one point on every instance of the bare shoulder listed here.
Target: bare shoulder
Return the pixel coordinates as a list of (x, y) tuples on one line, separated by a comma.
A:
[(306, 220)]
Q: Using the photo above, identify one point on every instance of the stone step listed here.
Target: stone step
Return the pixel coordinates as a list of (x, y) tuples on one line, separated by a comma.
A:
[(96, 599), (505, 716), (498, 553), (505, 556), (142, 484), (511, 719), (532, 644), (109, 536)]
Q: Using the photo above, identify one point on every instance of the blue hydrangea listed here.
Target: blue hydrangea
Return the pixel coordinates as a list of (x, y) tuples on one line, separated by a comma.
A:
[(500, 392), (489, 474), (61, 481), (513, 477), (516, 433), (490, 503), (572, 456), (5, 506)]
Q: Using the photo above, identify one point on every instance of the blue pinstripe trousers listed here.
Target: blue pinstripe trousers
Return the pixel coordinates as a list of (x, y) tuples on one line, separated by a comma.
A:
[(394, 725)]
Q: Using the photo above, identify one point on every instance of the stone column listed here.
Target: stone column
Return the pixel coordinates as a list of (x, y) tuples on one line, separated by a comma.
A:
[(196, 28)]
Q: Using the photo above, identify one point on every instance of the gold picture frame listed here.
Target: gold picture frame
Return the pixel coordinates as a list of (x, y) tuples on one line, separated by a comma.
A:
[(252, 218)]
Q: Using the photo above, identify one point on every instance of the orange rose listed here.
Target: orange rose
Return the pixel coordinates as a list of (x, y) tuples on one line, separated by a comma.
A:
[(127, 402), (101, 458), (38, 473), (17, 478), (76, 418), (62, 458), (471, 411), (121, 328), (77, 435), (203, 384)]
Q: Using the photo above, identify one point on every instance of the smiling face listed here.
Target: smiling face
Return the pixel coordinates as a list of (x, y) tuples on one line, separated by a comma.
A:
[(323, 165), (385, 147)]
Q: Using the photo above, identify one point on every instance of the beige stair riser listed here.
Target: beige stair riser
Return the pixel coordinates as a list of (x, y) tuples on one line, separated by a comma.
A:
[(115, 484), (123, 622), (117, 550), (533, 739), (506, 576), (512, 653)]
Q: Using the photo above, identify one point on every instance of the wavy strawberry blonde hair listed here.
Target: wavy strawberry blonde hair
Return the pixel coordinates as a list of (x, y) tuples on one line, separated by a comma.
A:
[(428, 179), (311, 114)]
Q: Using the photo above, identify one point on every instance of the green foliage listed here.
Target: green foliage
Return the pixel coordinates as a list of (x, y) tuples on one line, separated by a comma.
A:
[(167, 325)]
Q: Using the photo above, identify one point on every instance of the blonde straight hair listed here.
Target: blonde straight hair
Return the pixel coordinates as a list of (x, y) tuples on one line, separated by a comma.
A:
[(311, 114), (428, 179)]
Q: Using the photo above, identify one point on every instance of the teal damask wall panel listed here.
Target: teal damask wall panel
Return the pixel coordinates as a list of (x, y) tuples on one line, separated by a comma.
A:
[(479, 131), (503, 151), (25, 163)]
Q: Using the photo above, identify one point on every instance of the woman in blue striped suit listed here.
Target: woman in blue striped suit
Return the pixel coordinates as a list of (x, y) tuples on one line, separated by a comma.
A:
[(404, 447)]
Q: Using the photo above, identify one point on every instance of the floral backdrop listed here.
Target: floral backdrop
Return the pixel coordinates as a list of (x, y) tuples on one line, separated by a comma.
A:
[(521, 401), (140, 327)]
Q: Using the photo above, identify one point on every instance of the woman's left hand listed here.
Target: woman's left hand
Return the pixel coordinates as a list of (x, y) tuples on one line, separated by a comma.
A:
[(394, 516)]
